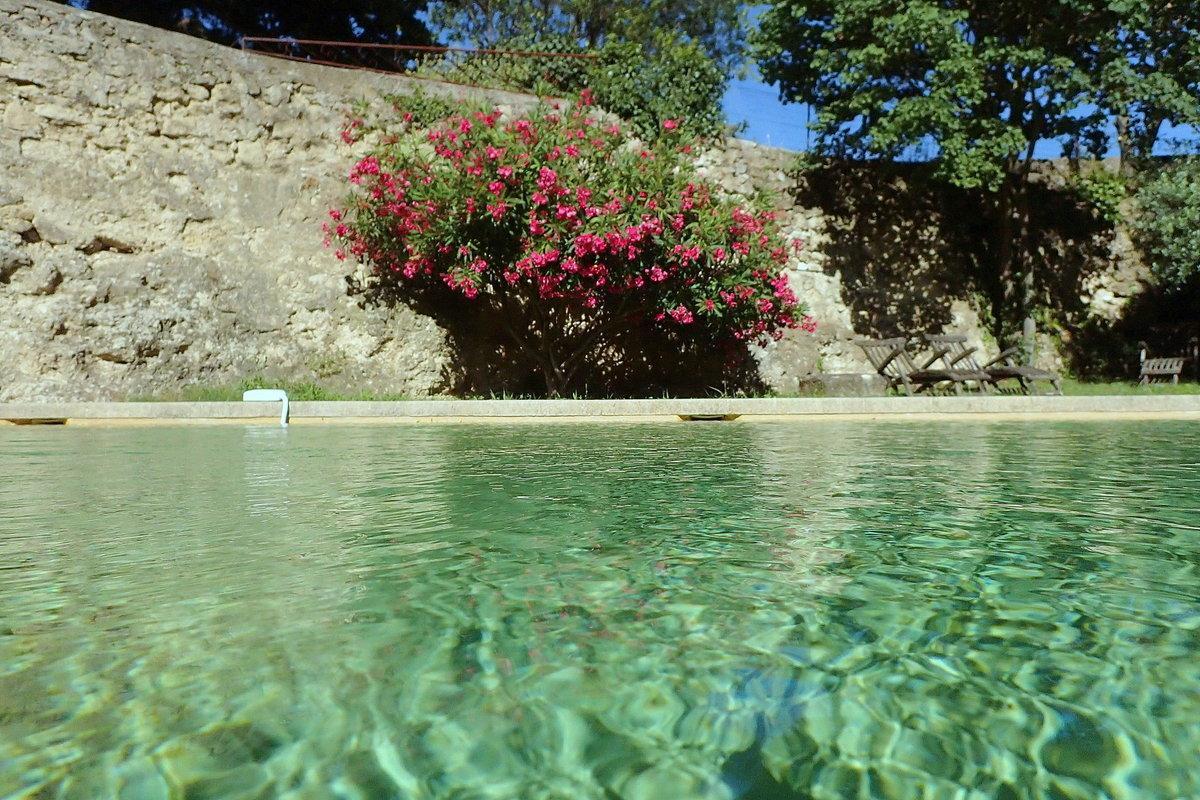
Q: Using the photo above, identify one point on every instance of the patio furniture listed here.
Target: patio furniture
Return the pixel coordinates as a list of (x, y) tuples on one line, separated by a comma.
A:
[(891, 359), (1161, 369), (1169, 370), (957, 354)]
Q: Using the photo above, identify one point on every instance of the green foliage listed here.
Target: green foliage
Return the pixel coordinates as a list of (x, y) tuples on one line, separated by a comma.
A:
[(718, 27), (674, 80), (1147, 72), (544, 75), (1168, 222), (681, 83), (422, 108), (977, 82), (1103, 190)]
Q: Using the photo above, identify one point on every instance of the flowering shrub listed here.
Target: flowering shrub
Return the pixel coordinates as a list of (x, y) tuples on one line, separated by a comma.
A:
[(575, 233)]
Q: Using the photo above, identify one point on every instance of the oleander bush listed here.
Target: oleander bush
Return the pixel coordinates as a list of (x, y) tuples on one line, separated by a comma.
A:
[(582, 240)]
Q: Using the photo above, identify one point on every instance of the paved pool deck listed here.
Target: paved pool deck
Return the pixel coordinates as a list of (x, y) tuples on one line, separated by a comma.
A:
[(812, 409)]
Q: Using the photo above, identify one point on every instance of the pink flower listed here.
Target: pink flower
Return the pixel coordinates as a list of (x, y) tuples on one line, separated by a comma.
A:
[(497, 210), (493, 152), (496, 187), (547, 178), (670, 124), (657, 274), (681, 315), (808, 324), (505, 172), (540, 198)]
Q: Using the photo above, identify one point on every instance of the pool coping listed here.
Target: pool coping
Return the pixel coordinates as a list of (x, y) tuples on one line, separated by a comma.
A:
[(744, 409)]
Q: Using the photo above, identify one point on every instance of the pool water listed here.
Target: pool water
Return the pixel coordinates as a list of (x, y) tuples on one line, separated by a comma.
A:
[(746, 610)]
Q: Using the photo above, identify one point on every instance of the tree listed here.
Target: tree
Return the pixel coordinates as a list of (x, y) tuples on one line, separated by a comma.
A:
[(717, 25), (227, 20), (1147, 67), (1168, 223), (578, 240), (981, 82)]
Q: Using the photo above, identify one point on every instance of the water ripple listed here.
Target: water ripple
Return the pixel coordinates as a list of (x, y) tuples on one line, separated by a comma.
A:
[(684, 611)]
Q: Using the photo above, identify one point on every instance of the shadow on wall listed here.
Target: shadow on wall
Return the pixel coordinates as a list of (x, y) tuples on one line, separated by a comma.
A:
[(484, 361), (902, 265), (907, 246), (1166, 319)]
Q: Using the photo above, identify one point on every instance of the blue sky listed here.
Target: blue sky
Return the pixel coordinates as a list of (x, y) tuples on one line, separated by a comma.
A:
[(772, 122), (769, 121)]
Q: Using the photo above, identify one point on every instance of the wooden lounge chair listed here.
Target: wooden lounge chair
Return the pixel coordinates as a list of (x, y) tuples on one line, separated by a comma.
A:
[(956, 354), (891, 359)]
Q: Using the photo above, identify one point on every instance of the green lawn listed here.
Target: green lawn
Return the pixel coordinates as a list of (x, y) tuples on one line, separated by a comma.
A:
[(1081, 388), (306, 390)]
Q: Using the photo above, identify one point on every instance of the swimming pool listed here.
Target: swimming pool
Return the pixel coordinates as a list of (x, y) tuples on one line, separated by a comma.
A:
[(766, 610)]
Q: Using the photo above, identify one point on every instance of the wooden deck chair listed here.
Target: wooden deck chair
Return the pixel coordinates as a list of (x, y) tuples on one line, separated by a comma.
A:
[(956, 354), (891, 359)]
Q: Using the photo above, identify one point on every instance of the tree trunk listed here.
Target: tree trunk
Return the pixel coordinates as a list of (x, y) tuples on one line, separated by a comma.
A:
[(1005, 289), (1124, 145)]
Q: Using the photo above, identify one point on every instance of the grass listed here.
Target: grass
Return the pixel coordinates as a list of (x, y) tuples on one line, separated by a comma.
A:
[(301, 390), (307, 390), (1079, 388)]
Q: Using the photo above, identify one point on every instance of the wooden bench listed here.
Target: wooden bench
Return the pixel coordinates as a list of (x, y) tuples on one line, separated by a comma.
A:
[(1160, 369)]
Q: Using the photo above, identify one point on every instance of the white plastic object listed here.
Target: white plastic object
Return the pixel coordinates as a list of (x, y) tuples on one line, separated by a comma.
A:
[(269, 396)]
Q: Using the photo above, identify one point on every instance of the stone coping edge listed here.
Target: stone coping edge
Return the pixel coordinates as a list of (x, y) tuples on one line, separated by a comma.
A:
[(632, 410)]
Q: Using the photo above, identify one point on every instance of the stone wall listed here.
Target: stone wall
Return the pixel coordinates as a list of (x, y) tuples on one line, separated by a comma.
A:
[(893, 252), (160, 203)]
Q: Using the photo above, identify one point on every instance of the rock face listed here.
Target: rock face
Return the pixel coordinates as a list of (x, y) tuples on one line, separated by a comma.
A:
[(160, 203)]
